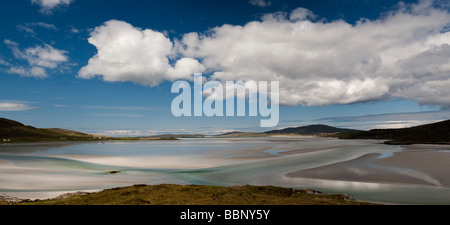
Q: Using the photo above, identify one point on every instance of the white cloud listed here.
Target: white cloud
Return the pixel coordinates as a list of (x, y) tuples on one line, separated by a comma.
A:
[(184, 68), (45, 56), (127, 53), (4, 63), (260, 3), (29, 27), (44, 25), (10, 43), (129, 133), (399, 124), (39, 59), (124, 133), (301, 14), (47, 6), (25, 28), (35, 71), (390, 120), (14, 106), (405, 53), (74, 30)]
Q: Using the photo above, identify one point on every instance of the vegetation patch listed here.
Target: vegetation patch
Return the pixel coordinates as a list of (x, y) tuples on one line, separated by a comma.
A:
[(169, 194)]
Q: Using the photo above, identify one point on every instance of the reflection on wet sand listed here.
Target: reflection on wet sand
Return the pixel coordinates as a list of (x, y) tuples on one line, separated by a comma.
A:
[(426, 165)]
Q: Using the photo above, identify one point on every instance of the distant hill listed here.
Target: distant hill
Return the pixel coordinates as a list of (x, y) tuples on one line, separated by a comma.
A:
[(176, 136), (434, 133), (311, 130), (240, 134), (13, 131)]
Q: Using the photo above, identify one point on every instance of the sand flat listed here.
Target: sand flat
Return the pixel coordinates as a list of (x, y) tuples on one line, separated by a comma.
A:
[(264, 161), (307, 150), (418, 165), (434, 163)]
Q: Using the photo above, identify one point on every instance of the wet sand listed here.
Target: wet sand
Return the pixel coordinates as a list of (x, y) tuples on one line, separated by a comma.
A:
[(160, 162), (39, 173), (307, 150), (287, 149), (244, 154), (416, 164)]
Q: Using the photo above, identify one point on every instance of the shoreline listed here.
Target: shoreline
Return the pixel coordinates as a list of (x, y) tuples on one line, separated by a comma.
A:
[(384, 142), (48, 142)]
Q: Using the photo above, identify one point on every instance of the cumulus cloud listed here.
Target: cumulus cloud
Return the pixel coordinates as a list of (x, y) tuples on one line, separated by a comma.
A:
[(128, 53), (39, 58), (47, 6), (301, 14), (404, 53)]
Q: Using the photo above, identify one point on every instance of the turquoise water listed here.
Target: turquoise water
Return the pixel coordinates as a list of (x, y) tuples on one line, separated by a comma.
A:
[(36, 170)]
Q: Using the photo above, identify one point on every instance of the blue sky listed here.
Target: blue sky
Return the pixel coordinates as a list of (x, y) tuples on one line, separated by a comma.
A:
[(58, 61)]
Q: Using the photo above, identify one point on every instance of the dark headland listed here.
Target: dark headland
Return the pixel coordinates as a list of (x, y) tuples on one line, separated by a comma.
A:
[(434, 133)]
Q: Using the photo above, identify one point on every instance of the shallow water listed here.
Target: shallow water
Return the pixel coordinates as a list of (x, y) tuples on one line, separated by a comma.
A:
[(47, 170)]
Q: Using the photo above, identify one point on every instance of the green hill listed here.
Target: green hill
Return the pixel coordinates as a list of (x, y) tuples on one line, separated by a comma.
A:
[(434, 133), (13, 131)]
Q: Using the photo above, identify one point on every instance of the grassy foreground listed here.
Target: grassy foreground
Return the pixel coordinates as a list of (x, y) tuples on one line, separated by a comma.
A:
[(168, 194)]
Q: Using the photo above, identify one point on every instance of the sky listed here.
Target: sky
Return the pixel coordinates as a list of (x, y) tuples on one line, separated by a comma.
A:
[(107, 66)]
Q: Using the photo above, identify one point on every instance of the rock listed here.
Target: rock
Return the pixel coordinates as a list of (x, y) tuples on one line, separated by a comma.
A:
[(311, 192), (13, 200), (68, 195), (346, 197)]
